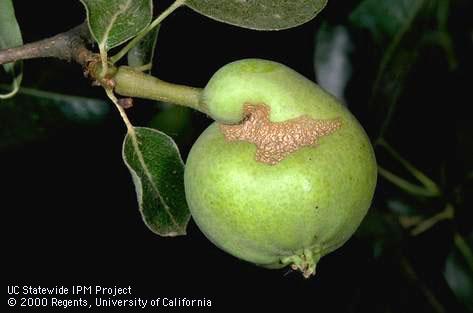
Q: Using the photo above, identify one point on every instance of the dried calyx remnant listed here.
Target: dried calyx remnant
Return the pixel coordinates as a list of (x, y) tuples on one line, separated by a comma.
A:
[(275, 141)]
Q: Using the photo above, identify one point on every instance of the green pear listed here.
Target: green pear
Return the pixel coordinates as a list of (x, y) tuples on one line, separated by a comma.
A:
[(286, 173)]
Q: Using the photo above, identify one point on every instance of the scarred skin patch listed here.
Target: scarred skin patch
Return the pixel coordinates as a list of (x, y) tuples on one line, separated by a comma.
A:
[(275, 141)]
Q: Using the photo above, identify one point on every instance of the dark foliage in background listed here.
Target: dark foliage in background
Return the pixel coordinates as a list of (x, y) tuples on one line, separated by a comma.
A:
[(69, 210)]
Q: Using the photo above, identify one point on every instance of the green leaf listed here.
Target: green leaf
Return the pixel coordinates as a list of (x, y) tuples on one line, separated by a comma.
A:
[(10, 36), (172, 119), (35, 115), (459, 275), (397, 29), (385, 40), (158, 174), (142, 54), (381, 231), (259, 14), (112, 22)]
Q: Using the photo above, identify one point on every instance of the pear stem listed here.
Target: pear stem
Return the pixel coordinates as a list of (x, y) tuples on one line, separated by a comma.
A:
[(133, 83)]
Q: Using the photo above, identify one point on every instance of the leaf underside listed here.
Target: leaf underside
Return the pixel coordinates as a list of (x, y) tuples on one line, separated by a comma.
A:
[(112, 22), (159, 181), (259, 14)]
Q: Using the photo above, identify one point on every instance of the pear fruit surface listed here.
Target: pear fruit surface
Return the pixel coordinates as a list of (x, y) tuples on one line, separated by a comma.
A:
[(285, 174)]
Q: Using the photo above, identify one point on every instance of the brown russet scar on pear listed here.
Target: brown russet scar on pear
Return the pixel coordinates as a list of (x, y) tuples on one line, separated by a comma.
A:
[(275, 141)]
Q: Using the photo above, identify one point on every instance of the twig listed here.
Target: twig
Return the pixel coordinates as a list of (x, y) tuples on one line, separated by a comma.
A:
[(446, 214), (123, 80), (464, 249), (70, 46), (429, 185), (410, 273), (405, 185)]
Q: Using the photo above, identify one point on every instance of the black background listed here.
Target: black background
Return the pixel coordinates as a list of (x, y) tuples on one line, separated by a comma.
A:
[(70, 215)]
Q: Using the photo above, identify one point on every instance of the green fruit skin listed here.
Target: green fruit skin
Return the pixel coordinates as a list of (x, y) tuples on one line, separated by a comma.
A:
[(314, 199)]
